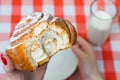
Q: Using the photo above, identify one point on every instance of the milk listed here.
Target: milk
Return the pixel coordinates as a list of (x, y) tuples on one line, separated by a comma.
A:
[(98, 27)]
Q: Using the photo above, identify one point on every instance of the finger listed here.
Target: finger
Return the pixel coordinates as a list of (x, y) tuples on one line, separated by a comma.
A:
[(77, 51), (84, 45), (39, 75), (7, 64)]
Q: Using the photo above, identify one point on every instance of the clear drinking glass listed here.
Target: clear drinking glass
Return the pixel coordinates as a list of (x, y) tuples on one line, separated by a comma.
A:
[(103, 12)]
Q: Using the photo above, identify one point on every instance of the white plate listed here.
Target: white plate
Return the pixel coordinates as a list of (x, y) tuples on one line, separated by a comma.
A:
[(61, 66)]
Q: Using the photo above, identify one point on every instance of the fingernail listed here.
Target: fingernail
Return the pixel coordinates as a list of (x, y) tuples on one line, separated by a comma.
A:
[(3, 60)]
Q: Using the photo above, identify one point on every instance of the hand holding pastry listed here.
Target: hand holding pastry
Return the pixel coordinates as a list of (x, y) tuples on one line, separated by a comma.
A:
[(88, 69)]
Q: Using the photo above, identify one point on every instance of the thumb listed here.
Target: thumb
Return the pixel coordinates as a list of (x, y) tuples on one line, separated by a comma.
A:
[(7, 64)]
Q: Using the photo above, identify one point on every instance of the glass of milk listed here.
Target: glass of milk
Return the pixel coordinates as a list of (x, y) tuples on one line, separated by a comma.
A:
[(103, 12)]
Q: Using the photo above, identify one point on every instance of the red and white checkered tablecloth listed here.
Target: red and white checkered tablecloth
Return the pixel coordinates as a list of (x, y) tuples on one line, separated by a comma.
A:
[(77, 11)]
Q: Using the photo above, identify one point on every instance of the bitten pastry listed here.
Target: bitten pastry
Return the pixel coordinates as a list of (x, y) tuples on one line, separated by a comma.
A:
[(38, 37)]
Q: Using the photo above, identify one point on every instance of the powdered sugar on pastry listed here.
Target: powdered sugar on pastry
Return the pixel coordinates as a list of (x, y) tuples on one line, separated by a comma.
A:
[(12, 39), (28, 23), (29, 20), (25, 23), (45, 17)]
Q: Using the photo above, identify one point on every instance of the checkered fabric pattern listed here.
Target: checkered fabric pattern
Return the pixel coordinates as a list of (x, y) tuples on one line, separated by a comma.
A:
[(77, 11)]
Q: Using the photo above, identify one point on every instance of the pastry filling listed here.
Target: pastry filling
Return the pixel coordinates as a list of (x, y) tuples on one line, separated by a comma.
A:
[(48, 43)]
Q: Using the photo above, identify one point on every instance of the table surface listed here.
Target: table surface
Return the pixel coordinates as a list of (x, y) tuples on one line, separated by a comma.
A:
[(77, 11)]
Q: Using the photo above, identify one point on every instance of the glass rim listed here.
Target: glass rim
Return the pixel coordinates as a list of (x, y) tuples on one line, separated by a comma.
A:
[(91, 11)]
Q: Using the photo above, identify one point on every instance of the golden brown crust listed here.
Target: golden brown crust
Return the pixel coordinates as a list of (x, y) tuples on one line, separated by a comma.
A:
[(60, 23), (72, 32), (19, 58)]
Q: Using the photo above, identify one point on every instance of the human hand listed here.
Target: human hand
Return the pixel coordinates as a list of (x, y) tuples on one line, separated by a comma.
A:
[(87, 65), (12, 74)]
